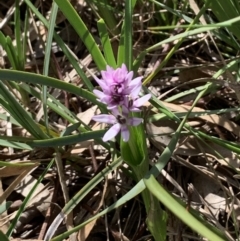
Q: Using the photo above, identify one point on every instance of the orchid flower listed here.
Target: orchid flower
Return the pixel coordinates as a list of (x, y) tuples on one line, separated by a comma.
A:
[(116, 84), (120, 122), (134, 104), (120, 92)]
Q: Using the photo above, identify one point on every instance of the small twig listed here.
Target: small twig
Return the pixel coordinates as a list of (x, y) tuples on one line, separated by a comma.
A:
[(94, 160), (9, 14), (48, 214), (62, 179)]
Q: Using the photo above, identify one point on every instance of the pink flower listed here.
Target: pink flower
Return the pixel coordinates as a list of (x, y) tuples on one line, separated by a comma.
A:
[(120, 122), (116, 85), (133, 105), (120, 92)]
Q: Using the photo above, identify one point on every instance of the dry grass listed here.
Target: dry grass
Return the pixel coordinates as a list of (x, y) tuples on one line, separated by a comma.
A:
[(195, 173)]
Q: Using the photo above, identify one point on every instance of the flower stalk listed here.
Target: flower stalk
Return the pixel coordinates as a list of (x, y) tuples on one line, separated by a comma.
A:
[(121, 94)]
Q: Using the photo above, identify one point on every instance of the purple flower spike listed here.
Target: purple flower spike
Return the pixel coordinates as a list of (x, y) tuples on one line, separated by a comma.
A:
[(119, 121), (120, 92), (116, 84)]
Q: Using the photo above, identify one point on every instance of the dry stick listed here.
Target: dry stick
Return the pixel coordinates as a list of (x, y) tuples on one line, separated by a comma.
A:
[(9, 14), (34, 25), (101, 203), (62, 179), (94, 160), (48, 214)]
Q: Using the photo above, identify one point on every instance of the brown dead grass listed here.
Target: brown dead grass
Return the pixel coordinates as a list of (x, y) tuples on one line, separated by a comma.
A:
[(195, 173)]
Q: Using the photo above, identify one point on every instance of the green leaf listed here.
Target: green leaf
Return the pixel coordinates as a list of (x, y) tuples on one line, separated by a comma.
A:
[(44, 80), (133, 151), (60, 109), (157, 220), (3, 42), (12, 106), (67, 140), (107, 13), (107, 47), (121, 49), (47, 56), (202, 29), (19, 44), (3, 237), (70, 129), (226, 10), (76, 199), (128, 57), (11, 52), (15, 144)]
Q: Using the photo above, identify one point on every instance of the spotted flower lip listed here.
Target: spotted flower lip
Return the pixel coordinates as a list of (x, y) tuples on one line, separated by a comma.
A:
[(120, 122)]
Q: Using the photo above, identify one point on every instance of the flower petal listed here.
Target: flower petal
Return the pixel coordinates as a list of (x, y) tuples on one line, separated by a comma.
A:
[(124, 68), (135, 109), (135, 82), (139, 102), (109, 119), (134, 121), (99, 93), (135, 87), (106, 99), (102, 97), (125, 133), (129, 77), (101, 83), (125, 111), (112, 132), (109, 69), (108, 74), (115, 111), (111, 106)]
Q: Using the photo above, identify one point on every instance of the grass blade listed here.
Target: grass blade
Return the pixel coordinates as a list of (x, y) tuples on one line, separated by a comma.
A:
[(43, 80), (19, 113), (47, 55), (128, 34), (107, 47)]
